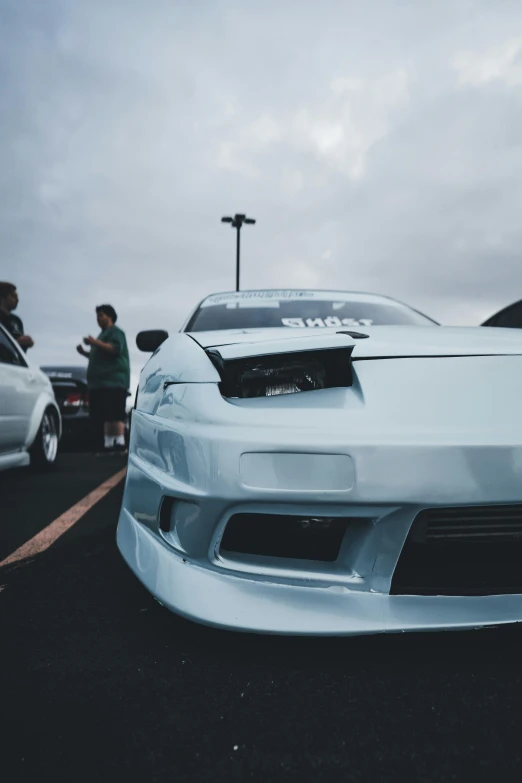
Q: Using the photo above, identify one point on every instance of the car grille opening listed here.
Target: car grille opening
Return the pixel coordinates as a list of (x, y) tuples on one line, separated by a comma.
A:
[(285, 536), (471, 550)]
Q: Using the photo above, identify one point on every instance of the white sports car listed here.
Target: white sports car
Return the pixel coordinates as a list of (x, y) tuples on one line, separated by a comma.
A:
[(30, 421), (323, 462)]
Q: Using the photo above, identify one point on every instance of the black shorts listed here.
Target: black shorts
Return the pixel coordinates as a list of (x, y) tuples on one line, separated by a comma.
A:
[(107, 404)]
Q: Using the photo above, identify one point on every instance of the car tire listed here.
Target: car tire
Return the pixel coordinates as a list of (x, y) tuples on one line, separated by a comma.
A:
[(45, 446)]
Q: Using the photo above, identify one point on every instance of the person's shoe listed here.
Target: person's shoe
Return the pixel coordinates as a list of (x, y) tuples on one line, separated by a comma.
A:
[(119, 448)]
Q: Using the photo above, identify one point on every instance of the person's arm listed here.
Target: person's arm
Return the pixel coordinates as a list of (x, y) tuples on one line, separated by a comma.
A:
[(81, 350), (112, 348), (24, 341)]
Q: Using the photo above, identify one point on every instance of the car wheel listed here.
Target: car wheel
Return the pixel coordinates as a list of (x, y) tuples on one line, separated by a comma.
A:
[(45, 447)]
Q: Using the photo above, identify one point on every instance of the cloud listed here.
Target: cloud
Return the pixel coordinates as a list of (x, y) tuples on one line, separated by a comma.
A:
[(377, 145), (500, 64)]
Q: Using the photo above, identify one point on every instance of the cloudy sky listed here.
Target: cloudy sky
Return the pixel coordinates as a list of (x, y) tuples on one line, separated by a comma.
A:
[(378, 144)]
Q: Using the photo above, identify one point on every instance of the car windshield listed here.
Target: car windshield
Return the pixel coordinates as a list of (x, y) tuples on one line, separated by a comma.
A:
[(298, 309)]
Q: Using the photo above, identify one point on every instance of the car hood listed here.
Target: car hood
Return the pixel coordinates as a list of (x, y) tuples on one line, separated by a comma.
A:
[(382, 341)]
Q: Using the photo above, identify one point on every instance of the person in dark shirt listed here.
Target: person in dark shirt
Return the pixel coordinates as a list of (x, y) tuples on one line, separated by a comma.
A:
[(108, 377), (11, 322)]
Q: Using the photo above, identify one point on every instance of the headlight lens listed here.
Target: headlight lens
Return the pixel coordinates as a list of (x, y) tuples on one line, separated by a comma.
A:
[(267, 382), (269, 376)]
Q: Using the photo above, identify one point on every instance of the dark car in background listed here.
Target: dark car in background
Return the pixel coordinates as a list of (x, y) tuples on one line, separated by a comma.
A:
[(80, 430), (509, 317), (70, 389)]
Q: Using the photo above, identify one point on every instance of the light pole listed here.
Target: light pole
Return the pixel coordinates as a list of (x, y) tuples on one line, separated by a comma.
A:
[(236, 222)]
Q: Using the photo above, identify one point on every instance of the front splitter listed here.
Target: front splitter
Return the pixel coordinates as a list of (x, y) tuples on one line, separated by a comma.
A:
[(224, 600)]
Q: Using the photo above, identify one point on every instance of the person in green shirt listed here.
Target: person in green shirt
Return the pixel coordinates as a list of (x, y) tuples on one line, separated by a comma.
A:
[(108, 377)]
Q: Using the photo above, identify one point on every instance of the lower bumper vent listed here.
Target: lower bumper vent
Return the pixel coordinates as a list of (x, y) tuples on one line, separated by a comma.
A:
[(471, 550), (281, 535)]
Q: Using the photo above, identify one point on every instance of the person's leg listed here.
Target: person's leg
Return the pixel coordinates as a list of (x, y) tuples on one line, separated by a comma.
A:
[(116, 409), (105, 407), (96, 419), (109, 434), (115, 428)]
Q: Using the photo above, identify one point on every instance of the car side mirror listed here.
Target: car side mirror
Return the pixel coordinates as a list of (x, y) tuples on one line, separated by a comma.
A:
[(151, 339)]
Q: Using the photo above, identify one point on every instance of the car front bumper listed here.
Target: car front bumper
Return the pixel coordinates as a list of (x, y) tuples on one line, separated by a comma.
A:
[(257, 605), (202, 468)]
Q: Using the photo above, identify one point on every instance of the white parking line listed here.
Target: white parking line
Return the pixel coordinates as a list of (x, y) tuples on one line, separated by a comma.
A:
[(61, 524)]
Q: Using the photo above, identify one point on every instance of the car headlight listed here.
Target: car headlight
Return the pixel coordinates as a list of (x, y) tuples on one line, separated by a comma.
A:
[(268, 376)]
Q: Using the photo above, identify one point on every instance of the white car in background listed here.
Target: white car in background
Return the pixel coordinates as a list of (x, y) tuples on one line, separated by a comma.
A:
[(30, 422)]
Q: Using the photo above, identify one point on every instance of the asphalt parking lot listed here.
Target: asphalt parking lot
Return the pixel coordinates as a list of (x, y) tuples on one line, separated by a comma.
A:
[(99, 682)]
